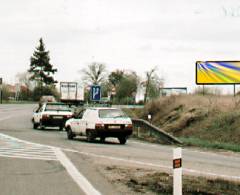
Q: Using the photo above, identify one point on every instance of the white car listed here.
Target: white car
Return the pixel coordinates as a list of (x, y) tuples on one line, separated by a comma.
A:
[(51, 114), (100, 122)]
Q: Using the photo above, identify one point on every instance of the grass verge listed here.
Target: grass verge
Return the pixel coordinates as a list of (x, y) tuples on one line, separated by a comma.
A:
[(144, 181), (209, 144)]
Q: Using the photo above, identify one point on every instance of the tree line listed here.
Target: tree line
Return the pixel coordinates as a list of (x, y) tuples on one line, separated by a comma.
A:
[(120, 85)]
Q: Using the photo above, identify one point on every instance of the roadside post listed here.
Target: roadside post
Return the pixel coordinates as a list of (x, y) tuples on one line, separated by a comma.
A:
[(149, 120), (1, 90), (177, 171)]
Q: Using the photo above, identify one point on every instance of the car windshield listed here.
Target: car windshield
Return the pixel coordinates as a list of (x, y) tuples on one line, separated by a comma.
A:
[(57, 107), (111, 113)]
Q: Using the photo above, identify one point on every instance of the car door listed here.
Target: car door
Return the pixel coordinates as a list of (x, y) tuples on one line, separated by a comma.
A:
[(37, 115), (76, 122), (83, 122)]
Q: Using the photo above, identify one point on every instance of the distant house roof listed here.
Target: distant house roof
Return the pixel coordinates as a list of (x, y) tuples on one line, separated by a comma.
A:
[(11, 88)]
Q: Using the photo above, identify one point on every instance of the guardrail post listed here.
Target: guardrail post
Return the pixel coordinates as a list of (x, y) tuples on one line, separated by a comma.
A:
[(138, 131), (177, 171)]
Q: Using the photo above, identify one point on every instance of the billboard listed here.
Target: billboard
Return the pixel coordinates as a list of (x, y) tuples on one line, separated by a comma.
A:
[(217, 72), (168, 91)]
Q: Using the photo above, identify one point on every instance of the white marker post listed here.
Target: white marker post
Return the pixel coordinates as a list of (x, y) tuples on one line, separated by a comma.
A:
[(177, 171)]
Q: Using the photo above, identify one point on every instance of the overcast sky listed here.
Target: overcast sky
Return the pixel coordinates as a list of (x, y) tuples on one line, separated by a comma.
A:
[(123, 34)]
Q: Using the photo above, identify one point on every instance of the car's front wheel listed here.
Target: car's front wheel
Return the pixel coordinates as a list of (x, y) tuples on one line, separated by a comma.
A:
[(70, 134), (90, 136), (122, 140)]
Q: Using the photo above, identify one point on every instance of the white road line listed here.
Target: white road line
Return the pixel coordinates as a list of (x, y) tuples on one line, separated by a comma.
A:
[(231, 177), (169, 168), (28, 157), (26, 153), (82, 182), (119, 159), (6, 117), (27, 149), (16, 148), (186, 149)]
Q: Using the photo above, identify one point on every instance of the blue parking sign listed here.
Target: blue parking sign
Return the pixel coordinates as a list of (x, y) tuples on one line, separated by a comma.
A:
[(95, 93)]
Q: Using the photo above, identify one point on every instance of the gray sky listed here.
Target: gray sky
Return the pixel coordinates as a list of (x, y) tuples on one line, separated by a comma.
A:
[(126, 34)]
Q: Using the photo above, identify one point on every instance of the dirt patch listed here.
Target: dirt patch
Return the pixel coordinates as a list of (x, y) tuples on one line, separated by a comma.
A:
[(144, 181)]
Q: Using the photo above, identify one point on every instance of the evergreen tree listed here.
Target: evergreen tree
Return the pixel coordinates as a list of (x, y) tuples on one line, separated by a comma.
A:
[(40, 67)]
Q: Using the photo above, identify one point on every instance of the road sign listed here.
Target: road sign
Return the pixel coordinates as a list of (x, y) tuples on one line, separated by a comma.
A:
[(95, 93), (177, 163), (177, 171)]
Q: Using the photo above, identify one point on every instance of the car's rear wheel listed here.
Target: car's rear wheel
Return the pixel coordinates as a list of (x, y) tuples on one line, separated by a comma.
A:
[(90, 136), (102, 139), (70, 134), (122, 140), (35, 125), (60, 128), (41, 125)]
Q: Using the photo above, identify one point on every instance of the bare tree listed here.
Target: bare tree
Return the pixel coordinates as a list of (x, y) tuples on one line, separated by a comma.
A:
[(23, 78), (152, 81), (94, 74)]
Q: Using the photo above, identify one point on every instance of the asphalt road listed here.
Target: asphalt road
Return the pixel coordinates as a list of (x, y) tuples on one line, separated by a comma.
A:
[(45, 162)]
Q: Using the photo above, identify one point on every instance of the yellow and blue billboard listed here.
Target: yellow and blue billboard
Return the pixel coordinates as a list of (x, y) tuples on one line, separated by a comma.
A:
[(218, 72)]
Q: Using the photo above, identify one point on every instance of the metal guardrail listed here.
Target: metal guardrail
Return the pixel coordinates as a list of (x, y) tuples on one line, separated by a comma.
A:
[(153, 130)]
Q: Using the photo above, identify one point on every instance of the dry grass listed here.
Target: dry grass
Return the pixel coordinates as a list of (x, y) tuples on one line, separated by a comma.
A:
[(211, 118), (144, 181)]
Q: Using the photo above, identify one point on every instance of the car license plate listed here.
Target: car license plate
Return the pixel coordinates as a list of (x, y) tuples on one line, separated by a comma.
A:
[(114, 126), (57, 117)]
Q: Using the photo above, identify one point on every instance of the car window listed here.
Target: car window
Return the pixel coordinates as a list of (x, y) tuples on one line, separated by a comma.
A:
[(85, 114), (57, 107), (36, 110), (41, 109), (80, 114), (111, 113)]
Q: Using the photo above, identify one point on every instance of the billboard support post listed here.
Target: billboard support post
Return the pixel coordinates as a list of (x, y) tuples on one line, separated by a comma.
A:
[(234, 90), (1, 91)]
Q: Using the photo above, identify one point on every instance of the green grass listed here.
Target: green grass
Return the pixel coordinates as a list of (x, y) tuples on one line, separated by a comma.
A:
[(209, 144)]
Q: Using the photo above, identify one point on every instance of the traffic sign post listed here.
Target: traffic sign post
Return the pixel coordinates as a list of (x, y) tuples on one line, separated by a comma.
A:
[(95, 93), (177, 171)]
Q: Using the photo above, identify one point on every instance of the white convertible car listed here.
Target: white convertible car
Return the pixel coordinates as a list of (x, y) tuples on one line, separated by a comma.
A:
[(100, 122)]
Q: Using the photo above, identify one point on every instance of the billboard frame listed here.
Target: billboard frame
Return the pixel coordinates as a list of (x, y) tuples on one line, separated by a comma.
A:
[(212, 61)]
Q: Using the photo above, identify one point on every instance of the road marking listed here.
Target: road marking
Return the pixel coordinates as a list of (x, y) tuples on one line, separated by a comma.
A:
[(5, 118), (118, 159), (15, 148), (12, 147), (169, 168), (82, 182), (187, 149)]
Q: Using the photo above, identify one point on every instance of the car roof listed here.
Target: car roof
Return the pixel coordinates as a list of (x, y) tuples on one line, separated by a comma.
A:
[(102, 108), (55, 103)]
